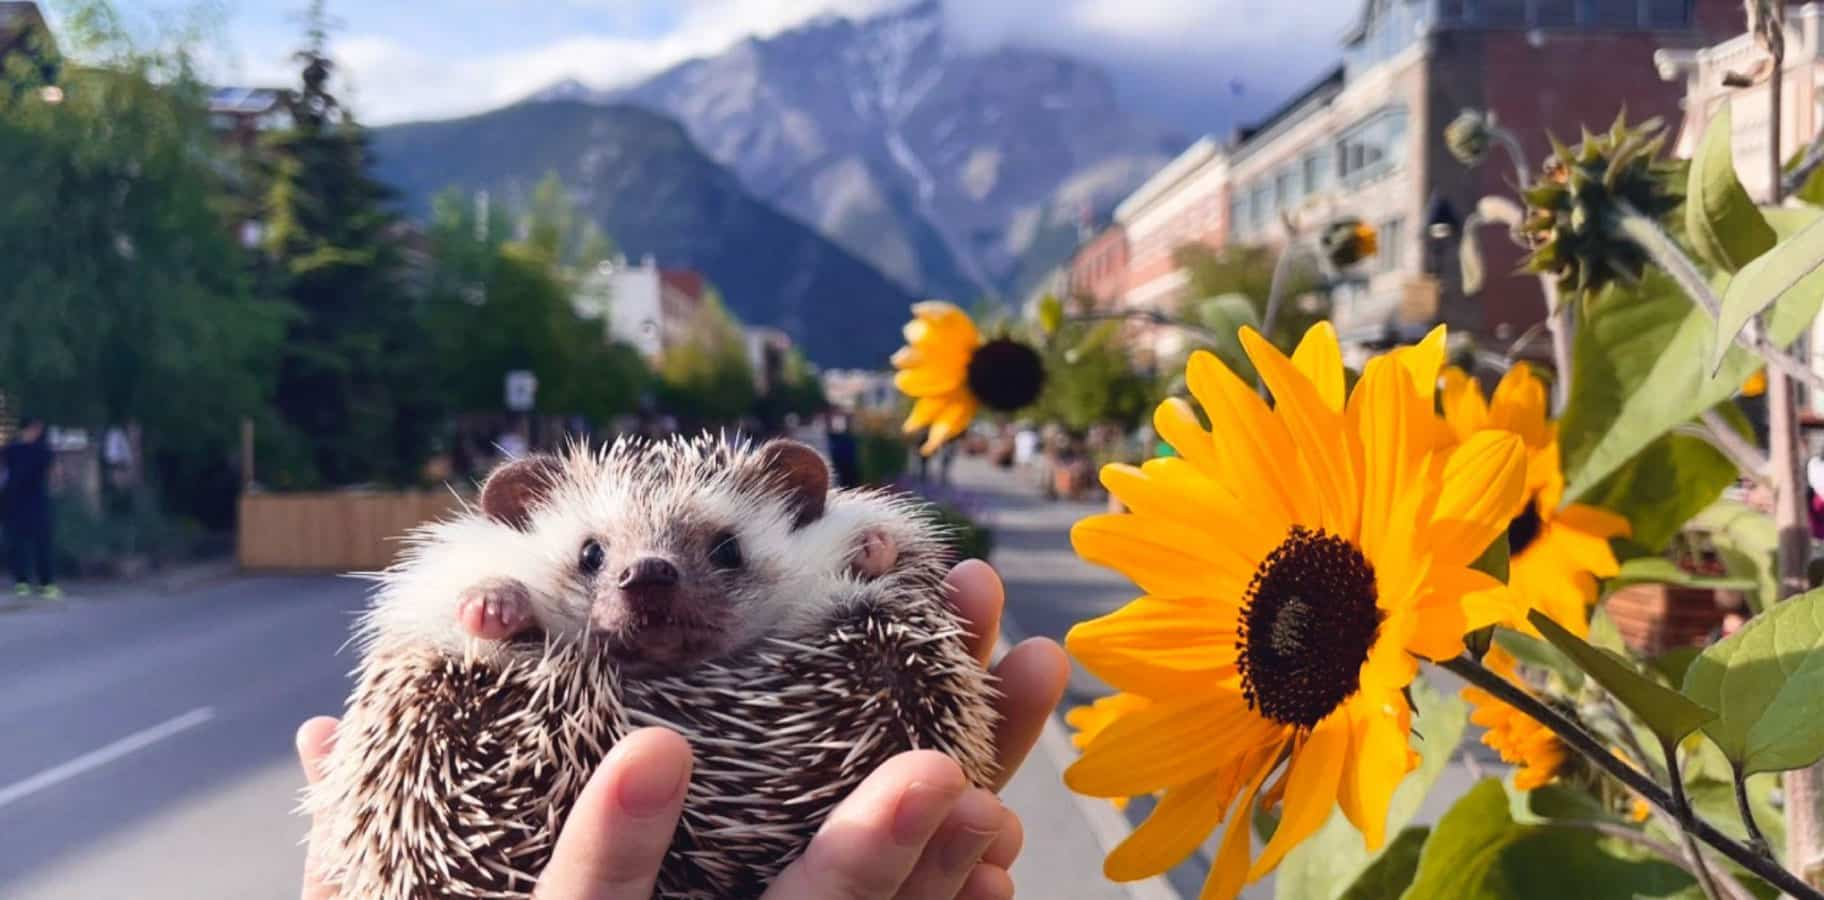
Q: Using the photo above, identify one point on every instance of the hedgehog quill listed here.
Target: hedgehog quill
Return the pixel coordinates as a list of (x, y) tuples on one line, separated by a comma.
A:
[(797, 637)]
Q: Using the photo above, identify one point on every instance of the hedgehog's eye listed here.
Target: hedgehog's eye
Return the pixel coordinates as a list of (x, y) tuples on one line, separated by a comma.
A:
[(592, 557), (726, 553)]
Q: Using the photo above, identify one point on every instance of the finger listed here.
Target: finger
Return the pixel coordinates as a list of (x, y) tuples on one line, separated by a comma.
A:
[(987, 883), (871, 841), (977, 593), (957, 848), (315, 739), (1032, 678), (615, 839), (1007, 845)]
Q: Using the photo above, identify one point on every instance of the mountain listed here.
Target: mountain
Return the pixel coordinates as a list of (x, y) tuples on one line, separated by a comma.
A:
[(945, 166), (639, 176)]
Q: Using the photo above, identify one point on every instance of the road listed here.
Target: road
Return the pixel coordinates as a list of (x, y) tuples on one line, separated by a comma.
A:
[(148, 751)]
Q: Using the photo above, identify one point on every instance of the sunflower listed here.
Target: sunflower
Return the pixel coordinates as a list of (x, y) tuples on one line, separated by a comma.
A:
[(1556, 553), (1756, 384), (951, 372), (1348, 241), (1089, 721), (1297, 560), (1521, 741)]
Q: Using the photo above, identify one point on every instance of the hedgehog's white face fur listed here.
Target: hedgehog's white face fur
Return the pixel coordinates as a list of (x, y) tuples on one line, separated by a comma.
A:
[(669, 553)]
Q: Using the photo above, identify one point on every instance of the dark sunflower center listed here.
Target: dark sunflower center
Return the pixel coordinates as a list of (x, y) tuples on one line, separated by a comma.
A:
[(1006, 375), (1524, 529), (1307, 625)]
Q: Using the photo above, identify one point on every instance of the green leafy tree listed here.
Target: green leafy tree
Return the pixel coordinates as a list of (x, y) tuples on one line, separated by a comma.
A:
[(353, 381), (706, 377), (1091, 380), (128, 299)]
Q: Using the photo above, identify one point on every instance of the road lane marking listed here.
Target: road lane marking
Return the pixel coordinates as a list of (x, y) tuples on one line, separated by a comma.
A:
[(95, 759)]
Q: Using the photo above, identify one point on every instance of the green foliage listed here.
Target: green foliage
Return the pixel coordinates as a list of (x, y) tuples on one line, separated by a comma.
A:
[(1247, 271), (1667, 713), (128, 300), (1334, 859), (967, 538), (1634, 379), (1790, 274), (1574, 208), (1659, 570), (1091, 380), (1747, 541), (1539, 654), (1723, 225), (705, 377), (1763, 681), (1664, 485), (356, 378), (1478, 851), (1387, 877)]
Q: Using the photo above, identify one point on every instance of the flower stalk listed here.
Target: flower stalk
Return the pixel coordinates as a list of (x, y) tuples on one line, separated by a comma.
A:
[(1682, 810), (1577, 739), (1756, 839)]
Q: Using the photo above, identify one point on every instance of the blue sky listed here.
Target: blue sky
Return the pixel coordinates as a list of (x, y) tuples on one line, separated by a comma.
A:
[(1175, 59)]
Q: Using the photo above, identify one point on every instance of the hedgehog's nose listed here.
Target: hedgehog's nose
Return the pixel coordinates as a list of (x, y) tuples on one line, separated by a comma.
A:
[(650, 572)]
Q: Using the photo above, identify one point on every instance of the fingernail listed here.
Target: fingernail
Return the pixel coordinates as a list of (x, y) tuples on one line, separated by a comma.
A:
[(652, 786), (920, 809)]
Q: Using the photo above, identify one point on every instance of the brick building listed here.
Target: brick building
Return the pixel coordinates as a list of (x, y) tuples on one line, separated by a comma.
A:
[(1098, 270), (1366, 140)]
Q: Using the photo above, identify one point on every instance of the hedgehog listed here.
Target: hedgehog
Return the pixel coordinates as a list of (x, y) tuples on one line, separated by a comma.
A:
[(796, 636)]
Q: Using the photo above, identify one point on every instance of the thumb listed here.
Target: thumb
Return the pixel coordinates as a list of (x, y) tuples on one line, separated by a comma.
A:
[(615, 838)]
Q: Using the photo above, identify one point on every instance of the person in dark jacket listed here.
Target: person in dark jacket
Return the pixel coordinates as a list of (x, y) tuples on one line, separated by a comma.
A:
[(25, 509)]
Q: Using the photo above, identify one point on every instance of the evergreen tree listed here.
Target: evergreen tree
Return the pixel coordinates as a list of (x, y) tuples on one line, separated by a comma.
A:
[(352, 381)]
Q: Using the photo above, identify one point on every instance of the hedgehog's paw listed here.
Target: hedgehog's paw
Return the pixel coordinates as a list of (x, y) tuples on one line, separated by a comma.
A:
[(495, 609), (875, 554)]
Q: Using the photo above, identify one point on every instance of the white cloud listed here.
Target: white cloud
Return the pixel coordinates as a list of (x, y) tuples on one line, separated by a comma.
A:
[(1162, 43)]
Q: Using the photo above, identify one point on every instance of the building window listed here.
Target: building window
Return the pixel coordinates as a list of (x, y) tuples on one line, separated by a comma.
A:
[(1554, 13), (1238, 214), (1313, 167), (1612, 13), (1285, 188), (1260, 208), (1373, 146), (1392, 240), (1668, 13)]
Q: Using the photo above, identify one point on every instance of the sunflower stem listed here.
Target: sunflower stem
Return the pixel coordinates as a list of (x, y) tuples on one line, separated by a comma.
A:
[(1686, 818), (1577, 739), (1756, 839), (1282, 271), (1729, 886)]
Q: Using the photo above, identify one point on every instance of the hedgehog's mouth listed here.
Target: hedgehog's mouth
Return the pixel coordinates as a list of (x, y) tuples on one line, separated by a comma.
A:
[(648, 641)]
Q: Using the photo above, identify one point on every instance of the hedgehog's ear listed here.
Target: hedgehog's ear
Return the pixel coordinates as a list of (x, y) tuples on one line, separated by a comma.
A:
[(513, 490), (799, 475)]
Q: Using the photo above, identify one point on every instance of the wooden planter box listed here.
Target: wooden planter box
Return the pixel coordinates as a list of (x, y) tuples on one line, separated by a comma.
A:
[(332, 532), (1654, 618)]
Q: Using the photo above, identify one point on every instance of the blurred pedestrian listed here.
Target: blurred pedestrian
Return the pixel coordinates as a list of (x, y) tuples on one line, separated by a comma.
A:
[(25, 509), (845, 455)]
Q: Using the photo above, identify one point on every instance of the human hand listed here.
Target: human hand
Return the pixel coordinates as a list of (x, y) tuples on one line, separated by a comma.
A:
[(912, 829)]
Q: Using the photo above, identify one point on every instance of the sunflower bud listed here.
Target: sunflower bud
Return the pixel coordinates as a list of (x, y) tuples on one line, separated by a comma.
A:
[(1467, 137), (1348, 241), (1573, 209)]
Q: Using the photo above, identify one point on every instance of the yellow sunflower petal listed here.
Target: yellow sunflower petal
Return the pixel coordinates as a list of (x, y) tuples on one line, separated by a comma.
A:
[(1320, 358), (1230, 871), (1167, 744), (1315, 429), (1586, 552), (1388, 413), (1519, 405), (1464, 407), (951, 421), (1177, 423), (1423, 360), (1377, 763), (926, 411), (1159, 647), (1252, 458), (1176, 491), (926, 381), (1164, 561), (1484, 486), (1174, 830), (1088, 721), (1317, 770)]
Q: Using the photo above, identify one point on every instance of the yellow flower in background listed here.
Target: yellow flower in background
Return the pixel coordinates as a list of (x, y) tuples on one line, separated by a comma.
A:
[(1348, 241), (1531, 747), (1297, 560), (1756, 384), (1556, 552), (1089, 721), (950, 372)]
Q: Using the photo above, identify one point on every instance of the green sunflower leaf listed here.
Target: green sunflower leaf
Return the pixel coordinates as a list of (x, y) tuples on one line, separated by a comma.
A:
[(1334, 858), (1659, 570), (1477, 851), (1390, 873), (1530, 651), (1670, 480), (1667, 713), (1793, 270), (1724, 226), (1633, 380), (1764, 682)]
